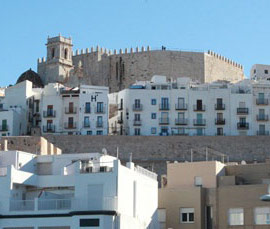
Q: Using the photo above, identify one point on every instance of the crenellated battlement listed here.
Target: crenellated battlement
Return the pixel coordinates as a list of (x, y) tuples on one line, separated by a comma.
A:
[(222, 58)]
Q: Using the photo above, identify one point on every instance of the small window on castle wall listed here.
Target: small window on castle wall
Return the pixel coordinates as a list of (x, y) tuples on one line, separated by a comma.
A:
[(66, 53), (53, 52), (265, 71)]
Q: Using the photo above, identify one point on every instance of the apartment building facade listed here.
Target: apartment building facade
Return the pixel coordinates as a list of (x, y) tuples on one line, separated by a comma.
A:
[(182, 107), (75, 191), (260, 72), (210, 195)]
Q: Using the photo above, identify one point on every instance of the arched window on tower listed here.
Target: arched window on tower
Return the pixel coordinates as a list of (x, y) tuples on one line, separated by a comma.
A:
[(53, 53), (66, 53)]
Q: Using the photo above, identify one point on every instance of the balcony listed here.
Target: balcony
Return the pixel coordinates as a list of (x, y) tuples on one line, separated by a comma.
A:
[(49, 129), (262, 133), (137, 107), (164, 107), (71, 125), (99, 110), (262, 117), (242, 126), (120, 120), (198, 108), (199, 122), (220, 121), (242, 111), (86, 124), (181, 106), (120, 106), (99, 124), (164, 121), (70, 110), (4, 128), (87, 110), (262, 101), (181, 121), (49, 114), (137, 122), (38, 205), (219, 107)]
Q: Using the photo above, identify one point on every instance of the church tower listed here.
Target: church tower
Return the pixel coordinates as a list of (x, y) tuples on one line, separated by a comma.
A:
[(59, 60)]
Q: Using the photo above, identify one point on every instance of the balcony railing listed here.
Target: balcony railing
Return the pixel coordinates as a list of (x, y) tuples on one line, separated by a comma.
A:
[(137, 107), (198, 108), (120, 120), (164, 121), (181, 106), (99, 124), (22, 205), (137, 122), (87, 110), (164, 106), (262, 101), (199, 122), (4, 128), (262, 117), (100, 110), (242, 126), (71, 125), (86, 124), (220, 121), (242, 110), (120, 106), (70, 110), (49, 114), (262, 133), (49, 129), (54, 204), (219, 107), (181, 121)]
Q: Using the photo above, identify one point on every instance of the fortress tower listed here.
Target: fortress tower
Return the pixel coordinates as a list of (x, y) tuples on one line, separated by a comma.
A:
[(59, 60)]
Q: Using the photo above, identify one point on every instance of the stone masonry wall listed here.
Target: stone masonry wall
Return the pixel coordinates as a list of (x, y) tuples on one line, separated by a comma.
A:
[(153, 152)]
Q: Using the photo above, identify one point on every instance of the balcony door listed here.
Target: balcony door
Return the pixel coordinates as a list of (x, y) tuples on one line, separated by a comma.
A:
[(199, 119), (70, 122), (261, 114), (50, 110), (4, 124), (137, 103), (165, 103), (199, 104), (261, 97), (70, 107), (49, 125), (261, 129)]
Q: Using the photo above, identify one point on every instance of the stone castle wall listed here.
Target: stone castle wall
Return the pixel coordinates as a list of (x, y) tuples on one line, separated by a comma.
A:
[(120, 70), (155, 151)]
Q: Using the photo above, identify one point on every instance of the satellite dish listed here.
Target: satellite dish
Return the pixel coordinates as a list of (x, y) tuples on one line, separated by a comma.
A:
[(104, 151)]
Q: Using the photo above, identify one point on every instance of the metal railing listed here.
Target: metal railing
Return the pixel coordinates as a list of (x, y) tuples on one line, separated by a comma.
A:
[(199, 122), (54, 204), (181, 106), (49, 114), (262, 133), (72, 125), (164, 106), (87, 110), (242, 110), (262, 117), (137, 122), (262, 101), (242, 125), (199, 108), (164, 121), (219, 107), (70, 110), (137, 107), (220, 121), (181, 121), (145, 172), (86, 124), (49, 129), (4, 128), (120, 106), (120, 120), (100, 110), (22, 205), (99, 124)]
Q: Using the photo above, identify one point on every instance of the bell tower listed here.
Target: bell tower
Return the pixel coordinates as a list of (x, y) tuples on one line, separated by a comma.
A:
[(59, 59)]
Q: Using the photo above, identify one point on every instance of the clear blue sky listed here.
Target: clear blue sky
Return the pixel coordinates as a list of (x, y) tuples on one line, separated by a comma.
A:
[(237, 29)]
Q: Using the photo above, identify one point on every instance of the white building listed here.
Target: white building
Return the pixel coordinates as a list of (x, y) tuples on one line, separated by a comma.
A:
[(182, 107), (260, 72), (75, 191), (83, 110)]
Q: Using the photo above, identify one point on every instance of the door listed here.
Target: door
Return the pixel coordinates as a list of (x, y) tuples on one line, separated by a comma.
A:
[(4, 124), (165, 103), (199, 119), (70, 122), (199, 104), (70, 107)]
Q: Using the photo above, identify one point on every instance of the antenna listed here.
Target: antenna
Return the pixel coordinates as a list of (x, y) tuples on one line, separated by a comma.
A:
[(130, 157)]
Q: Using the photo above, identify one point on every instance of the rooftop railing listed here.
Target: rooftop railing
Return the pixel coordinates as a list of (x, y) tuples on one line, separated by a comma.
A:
[(146, 172)]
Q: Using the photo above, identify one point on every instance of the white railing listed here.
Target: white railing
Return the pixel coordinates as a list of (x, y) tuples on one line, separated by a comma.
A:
[(22, 205), (146, 172), (3, 171), (54, 204)]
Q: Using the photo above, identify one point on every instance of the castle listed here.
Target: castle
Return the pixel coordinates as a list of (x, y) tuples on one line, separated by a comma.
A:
[(120, 69)]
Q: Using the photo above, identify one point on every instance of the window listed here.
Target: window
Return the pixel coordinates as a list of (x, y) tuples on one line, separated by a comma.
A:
[(219, 131), (265, 71), (99, 121), (137, 131), (89, 222), (1, 106), (254, 71), (66, 53), (153, 116), (153, 101), (99, 132), (153, 130), (89, 132), (100, 107), (198, 181), (86, 122), (262, 215), (137, 117), (87, 108), (53, 53), (187, 215), (236, 216), (137, 103)]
